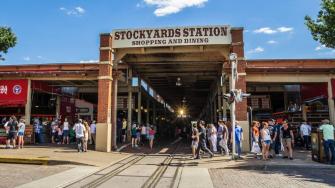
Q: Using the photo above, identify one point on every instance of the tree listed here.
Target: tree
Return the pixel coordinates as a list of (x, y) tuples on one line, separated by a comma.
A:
[(323, 28), (7, 40)]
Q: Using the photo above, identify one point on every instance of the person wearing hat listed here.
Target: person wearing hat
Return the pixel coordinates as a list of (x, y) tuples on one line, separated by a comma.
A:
[(93, 128), (328, 137)]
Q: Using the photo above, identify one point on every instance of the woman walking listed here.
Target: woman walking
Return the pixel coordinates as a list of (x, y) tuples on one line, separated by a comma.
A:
[(266, 140), (151, 136), (134, 136), (195, 140), (287, 138), (213, 137), (86, 135), (20, 133), (66, 128)]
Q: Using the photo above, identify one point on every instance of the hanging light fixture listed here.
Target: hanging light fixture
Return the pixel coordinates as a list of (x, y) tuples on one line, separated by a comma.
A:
[(178, 83)]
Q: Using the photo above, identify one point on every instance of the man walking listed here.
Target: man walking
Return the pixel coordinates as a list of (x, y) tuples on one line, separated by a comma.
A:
[(80, 133), (93, 128), (202, 140), (238, 138), (328, 137), (223, 137), (305, 132), (276, 138)]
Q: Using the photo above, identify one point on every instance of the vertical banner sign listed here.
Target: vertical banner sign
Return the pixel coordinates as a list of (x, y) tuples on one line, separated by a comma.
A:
[(175, 36), (13, 92)]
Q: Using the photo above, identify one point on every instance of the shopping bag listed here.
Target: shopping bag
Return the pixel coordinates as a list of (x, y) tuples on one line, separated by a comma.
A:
[(255, 148), (282, 147)]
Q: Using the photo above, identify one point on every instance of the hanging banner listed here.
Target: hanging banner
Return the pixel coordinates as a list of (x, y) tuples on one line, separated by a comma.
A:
[(173, 36), (13, 92)]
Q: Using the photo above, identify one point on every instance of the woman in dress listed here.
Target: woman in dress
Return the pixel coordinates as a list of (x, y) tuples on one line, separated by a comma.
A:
[(86, 135), (213, 137)]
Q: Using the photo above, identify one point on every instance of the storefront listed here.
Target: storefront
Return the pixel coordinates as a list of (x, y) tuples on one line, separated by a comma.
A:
[(293, 89)]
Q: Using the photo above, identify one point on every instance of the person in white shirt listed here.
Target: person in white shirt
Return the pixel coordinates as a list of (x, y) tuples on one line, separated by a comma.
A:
[(80, 133), (66, 128), (305, 132), (93, 128)]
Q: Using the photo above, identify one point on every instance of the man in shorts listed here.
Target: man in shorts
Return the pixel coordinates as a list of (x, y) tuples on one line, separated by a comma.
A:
[(11, 128)]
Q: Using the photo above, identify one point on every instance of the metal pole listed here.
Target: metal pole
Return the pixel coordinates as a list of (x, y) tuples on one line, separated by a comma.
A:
[(129, 105), (232, 110)]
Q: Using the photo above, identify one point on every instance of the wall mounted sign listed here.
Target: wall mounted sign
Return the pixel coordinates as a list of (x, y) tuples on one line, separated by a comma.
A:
[(174, 36)]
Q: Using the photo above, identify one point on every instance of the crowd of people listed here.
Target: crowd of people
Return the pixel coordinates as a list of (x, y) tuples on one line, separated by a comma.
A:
[(266, 136), (84, 132), (217, 137), (15, 132), (140, 134)]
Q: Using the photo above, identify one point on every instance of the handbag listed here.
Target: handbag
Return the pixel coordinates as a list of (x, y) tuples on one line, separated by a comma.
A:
[(255, 148)]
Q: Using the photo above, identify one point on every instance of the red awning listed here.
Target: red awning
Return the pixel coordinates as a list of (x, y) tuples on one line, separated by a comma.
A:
[(13, 92)]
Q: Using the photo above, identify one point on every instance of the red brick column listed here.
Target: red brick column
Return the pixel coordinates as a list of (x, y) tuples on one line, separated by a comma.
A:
[(238, 48), (241, 107), (104, 133)]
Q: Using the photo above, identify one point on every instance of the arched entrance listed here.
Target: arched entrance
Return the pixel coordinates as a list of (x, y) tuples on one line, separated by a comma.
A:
[(181, 64)]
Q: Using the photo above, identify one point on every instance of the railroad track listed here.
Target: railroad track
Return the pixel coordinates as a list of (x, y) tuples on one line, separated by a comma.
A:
[(100, 177), (103, 175)]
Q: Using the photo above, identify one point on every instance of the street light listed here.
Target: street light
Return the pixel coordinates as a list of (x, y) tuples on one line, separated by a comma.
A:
[(235, 95)]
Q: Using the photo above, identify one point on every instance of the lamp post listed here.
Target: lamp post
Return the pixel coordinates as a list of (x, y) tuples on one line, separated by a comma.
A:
[(233, 61), (235, 95)]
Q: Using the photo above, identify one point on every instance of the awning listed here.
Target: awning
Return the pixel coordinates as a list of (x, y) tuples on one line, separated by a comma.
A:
[(13, 92)]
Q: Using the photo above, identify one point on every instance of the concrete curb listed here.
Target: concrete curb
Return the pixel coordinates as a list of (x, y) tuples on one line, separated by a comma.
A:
[(24, 160)]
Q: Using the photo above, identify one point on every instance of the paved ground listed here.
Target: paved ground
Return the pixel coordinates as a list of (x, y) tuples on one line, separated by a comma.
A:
[(64, 154), (183, 171), (12, 175), (267, 176)]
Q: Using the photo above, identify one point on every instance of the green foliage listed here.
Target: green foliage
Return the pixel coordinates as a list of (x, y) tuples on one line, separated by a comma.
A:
[(323, 28), (7, 40)]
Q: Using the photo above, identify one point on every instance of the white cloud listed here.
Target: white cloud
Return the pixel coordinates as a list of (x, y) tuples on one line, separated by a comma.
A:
[(256, 50), (89, 61), (265, 30), (26, 58), (77, 11), (272, 42), (284, 29), (268, 30), (166, 7), (80, 10), (321, 47)]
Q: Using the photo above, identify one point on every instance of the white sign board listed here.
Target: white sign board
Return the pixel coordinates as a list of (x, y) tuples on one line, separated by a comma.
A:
[(176, 36)]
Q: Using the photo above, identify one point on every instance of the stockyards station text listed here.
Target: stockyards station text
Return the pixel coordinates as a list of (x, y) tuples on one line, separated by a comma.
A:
[(170, 36)]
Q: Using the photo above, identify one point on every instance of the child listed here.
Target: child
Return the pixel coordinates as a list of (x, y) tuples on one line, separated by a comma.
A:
[(59, 135)]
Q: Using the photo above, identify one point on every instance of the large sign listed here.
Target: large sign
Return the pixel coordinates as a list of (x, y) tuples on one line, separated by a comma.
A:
[(178, 36), (13, 92)]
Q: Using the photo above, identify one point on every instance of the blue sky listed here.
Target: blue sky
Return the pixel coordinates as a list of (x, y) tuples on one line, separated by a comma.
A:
[(60, 31)]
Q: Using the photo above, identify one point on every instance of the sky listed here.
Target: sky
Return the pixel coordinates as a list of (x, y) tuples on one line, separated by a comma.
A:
[(67, 31)]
